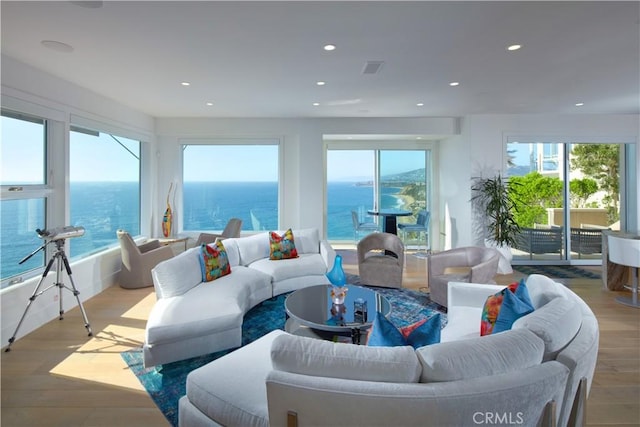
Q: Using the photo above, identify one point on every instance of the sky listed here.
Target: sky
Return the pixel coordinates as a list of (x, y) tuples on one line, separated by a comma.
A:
[(103, 159)]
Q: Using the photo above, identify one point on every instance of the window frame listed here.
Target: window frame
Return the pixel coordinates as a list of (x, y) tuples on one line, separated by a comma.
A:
[(83, 125), (25, 191), (225, 141), (333, 143)]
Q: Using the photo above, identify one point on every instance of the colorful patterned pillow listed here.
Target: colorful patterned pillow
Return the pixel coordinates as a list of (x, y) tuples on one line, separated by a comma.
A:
[(282, 247), (214, 261), (505, 307), (424, 332)]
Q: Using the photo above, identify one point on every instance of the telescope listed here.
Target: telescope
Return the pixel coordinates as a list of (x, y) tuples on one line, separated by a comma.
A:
[(60, 233), (59, 258)]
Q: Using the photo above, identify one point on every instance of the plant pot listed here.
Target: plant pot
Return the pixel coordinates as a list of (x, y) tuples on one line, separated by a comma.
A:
[(504, 265)]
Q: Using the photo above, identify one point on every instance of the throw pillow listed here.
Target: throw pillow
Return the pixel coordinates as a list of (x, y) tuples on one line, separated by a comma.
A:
[(419, 334), (214, 261), (282, 247), (505, 307)]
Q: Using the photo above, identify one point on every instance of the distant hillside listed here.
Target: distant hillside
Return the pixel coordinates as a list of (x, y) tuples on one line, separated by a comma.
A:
[(399, 179), (417, 175)]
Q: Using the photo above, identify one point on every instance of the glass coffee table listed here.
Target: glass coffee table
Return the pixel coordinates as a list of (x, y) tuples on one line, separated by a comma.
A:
[(311, 312)]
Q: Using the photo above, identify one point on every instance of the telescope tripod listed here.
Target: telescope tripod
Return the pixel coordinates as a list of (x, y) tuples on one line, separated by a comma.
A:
[(61, 259)]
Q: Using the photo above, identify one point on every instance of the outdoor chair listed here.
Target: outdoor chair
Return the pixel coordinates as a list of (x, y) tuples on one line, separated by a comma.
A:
[(138, 260), (586, 241), (381, 260)]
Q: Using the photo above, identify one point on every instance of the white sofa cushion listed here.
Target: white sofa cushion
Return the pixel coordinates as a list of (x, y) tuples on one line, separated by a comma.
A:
[(495, 354), (542, 289), (253, 248), (177, 275), (209, 306), (231, 246), (307, 240), (232, 390), (556, 323), (310, 356), (282, 269)]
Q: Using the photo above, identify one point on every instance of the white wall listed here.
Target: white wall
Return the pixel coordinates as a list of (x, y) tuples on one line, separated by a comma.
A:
[(28, 90), (303, 173)]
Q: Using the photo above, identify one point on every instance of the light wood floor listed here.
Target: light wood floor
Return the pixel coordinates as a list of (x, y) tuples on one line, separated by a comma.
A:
[(59, 376)]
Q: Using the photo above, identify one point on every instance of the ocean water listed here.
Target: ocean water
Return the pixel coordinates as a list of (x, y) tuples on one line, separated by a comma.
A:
[(104, 207)]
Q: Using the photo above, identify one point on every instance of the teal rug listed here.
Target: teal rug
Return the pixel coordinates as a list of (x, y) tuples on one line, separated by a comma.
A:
[(558, 271), (167, 385)]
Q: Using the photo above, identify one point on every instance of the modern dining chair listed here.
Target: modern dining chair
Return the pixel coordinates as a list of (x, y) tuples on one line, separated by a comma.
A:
[(364, 227), (232, 229), (420, 226)]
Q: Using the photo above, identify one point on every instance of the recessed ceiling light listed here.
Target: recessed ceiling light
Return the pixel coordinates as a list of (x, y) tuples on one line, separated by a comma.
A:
[(418, 137), (315, 104), (579, 104), (420, 104), (57, 46), (454, 84), (185, 84), (209, 104), (329, 47), (320, 83), (514, 47)]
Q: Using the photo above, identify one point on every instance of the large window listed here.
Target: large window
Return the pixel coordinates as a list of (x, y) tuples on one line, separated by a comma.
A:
[(223, 180), (566, 193), (104, 186), (24, 193), (363, 179)]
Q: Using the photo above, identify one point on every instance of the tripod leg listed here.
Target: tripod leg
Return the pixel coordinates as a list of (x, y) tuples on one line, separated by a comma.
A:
[(60, 285), (76, 293), (32, 298)]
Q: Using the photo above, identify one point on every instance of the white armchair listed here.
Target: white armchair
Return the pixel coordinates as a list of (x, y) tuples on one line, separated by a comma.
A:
[(478, 265)]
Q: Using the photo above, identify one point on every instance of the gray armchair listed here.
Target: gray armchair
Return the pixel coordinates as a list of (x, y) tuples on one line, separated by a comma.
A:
[(381, 260), (467, 264), (232, 229), (137, 261)]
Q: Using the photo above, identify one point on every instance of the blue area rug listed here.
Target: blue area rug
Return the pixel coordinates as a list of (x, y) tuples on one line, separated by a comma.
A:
[(167, 385), (557, 271)]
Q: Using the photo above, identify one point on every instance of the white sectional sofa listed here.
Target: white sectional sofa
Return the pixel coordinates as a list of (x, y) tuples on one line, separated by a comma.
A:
[(191, 318), (537, 373)]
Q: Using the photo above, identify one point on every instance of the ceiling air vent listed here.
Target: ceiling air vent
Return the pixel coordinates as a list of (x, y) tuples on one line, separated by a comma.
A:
[(372, 67)]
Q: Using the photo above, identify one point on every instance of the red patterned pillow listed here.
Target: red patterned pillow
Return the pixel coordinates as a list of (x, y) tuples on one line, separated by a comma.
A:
[(282, 247), (214, 261)]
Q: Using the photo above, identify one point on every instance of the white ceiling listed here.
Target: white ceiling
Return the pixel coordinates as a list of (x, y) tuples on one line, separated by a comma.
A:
[(263, 59)]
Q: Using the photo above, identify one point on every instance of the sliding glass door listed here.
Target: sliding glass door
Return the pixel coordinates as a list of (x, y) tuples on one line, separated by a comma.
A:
[(360, 180), (566, 194)]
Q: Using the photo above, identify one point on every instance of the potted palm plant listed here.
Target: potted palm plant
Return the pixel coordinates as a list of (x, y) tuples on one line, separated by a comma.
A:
[(492, 199)]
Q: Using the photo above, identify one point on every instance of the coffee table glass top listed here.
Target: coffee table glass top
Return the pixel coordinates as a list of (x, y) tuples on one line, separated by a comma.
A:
[(314, 308)]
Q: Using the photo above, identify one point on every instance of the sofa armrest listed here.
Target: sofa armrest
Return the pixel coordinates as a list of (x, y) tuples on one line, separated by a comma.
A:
[(328, 254), (461, 294)]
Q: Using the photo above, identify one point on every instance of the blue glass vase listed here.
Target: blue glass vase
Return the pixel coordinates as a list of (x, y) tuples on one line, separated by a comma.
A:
[(336, 276)]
